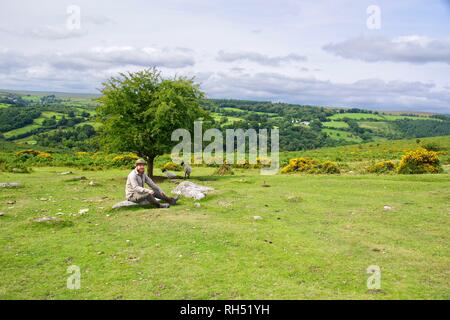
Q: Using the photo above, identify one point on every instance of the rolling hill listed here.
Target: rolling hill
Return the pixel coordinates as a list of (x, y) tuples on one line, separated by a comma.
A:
[(45, 116)]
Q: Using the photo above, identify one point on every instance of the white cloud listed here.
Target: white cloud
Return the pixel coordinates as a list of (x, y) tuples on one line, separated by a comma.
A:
[(99, 58), (412, 49), (259, 58), (368, 93)]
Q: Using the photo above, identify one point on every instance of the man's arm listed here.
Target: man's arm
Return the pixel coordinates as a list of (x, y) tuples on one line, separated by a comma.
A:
[(152, 185)]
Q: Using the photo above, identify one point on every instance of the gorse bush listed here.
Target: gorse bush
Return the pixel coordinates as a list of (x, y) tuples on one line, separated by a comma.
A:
[(308, 165), (419, 161), (328, 167), (300, 165), (125, 160), (172, 166), (35, 155), (30, 152), (387, 166)]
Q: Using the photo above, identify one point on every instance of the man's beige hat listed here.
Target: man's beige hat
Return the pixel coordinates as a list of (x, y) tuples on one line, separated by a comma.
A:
[(140, 161)]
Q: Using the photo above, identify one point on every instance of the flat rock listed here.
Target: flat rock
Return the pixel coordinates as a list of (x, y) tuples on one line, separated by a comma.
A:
[(10, 184), (65, 173), (127, 203), (191, 190), (46, 219), (2, 214)]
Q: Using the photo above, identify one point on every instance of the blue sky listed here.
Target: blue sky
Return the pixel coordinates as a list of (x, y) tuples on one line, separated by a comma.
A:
[(308, 52)]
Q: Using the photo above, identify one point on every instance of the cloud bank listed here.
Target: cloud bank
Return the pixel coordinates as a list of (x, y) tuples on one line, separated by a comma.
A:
[(411, 49)]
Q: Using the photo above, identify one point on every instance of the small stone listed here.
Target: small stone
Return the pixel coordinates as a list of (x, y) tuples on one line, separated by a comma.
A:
[(65, 173), (92, 183), (83, 211), (387, 208), (45, 219), (11, 202), (10, 185), (257, 218), (197, 205), (43, 199), (60, 213), (2, 214)]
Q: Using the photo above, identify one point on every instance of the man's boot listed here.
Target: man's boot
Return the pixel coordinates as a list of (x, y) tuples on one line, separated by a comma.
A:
[(171, 201), (155, 202)]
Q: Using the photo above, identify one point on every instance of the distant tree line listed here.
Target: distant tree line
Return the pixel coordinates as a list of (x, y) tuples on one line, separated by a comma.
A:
[(422, 128), (71, 138), (14, 117)]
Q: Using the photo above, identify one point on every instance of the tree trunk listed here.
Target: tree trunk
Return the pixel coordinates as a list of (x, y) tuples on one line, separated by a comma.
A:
[(150, 165)]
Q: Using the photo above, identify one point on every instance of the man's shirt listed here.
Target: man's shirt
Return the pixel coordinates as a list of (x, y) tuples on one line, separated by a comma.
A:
[(136, 184)]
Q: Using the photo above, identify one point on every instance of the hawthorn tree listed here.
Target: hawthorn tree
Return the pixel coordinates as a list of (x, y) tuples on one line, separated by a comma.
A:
[(139, 111)]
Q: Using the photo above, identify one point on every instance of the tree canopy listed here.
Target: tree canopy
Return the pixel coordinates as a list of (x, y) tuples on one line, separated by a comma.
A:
[(140, 110)]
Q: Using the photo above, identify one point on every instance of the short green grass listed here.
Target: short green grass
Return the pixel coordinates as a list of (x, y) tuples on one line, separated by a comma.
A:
[(317, 236)]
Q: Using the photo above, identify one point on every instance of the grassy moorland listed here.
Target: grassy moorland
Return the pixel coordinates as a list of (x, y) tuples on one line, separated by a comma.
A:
[(317, 236)]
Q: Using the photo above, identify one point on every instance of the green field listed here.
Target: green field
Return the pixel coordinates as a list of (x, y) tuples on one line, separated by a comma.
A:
[(378, 126), (317, 236), (335, 124), (364, 116), (230, 119), (342, 135), (21, 130), (37, 123)]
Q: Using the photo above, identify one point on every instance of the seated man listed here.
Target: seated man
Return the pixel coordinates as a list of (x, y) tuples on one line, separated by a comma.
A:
[(136, 192)]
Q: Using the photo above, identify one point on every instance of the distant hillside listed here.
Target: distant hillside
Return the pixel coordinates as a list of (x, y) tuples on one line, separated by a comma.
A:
[(64, 120)]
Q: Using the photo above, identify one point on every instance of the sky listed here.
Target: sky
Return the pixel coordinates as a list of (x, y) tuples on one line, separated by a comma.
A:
[(385, 55)]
